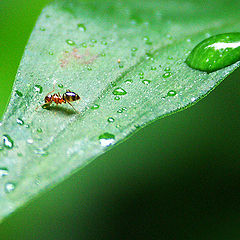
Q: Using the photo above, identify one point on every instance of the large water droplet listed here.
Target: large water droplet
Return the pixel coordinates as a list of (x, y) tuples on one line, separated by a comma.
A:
[(106, 139), (146, 82), (111, 119), (8, 142), (171, 93), (20, 121), (216, 52), (70, 42), (119, 91), (38, 88), (167, 74), (82, 27), (95, 106), (9, 187), (3, 172)]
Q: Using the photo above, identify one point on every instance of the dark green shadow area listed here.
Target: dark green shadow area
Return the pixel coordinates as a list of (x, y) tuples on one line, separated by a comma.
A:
[(175, 179)]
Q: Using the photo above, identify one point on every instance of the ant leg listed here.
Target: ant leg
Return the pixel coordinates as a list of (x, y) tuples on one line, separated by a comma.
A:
[(73, 107), (54, 84), (41, 106)]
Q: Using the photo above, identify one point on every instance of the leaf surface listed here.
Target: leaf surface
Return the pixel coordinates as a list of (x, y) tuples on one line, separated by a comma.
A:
[(126, 60)]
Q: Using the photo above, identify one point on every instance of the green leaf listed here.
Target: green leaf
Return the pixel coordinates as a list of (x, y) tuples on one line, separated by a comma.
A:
[(126, 60)]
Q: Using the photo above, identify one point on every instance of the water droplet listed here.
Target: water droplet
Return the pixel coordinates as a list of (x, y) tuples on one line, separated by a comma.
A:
[(19, 154), (119, 91), (95, 106), (167, 69), (3, 172), (117, 98), (94, 41), (216, 52), (111, 120), (120, 66), (30, 141), (146, 82), (171, 93), (20, 121), (42, 29), (70, 42), (9, 187), (129, 81), (82, 27), (8, 142), (170, 58), (141, 73), (19, 93), (103, 54), (104, 43), (119, 111), (167, 75), (153, 68), (134, 49), (106, 139), (39, 130), (89, 68), (84, 45), (41, 152), (60, 85), (50, 52), (38, 88)]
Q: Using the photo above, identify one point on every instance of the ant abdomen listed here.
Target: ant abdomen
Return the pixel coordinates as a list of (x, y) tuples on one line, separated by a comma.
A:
[(70, 96)]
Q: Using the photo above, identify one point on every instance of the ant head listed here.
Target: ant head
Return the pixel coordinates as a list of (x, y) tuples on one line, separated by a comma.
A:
[(48, 99)]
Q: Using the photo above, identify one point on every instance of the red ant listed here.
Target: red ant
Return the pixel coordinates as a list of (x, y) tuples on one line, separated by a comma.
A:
[(67, 97)]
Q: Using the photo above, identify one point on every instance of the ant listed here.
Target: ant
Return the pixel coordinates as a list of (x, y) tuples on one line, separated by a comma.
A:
[(67, 97)]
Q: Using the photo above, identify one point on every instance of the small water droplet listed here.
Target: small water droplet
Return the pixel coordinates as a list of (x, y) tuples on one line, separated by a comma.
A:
[(41, 151), (9, 187), (129, 81), (120, 66), (111, 120), (3, 172), (20, 121), (171, 93), (134, 49), (39, 130), (106, 139), (170, 58), (104, 43), (42, 29), (215, 52), (141, 73), (95, 106), (70, 42), (167, 75), (50, 52), (167, 69), (30, 141), (89, 68), (82, 27), (38, 88), (146, 82), (19, 93), (153, 68), (8, 142), (94, 41), (117, 98), (60, 85), (84, 45), (119, 91)]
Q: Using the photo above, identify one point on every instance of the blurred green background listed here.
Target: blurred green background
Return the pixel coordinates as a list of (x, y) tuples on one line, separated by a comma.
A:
[(178, 178)]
